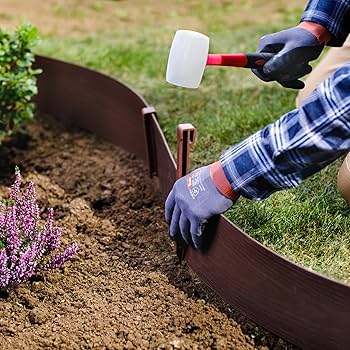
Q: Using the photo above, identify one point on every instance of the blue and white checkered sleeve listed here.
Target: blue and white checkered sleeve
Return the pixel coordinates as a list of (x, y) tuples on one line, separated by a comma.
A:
[(333, 15), (297, 145)]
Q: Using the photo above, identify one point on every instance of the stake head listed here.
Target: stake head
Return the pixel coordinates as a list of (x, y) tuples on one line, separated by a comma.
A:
[(186, 138)]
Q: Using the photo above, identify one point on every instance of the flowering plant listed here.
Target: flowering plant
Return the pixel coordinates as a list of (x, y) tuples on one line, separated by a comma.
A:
[(27, 243)]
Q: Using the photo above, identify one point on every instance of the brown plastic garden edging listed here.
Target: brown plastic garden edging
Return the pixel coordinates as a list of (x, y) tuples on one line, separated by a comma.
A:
[(303, 307)]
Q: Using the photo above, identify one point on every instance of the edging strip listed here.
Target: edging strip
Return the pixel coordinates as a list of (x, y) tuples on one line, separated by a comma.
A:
[(303, 307)]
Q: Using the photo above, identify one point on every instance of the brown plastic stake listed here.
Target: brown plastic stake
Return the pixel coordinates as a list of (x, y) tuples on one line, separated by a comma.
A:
[(186, 138), (147, 113)]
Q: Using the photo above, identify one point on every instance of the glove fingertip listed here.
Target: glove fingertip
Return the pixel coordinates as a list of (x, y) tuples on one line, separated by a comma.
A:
[(301, 84), (293, 84), (174, 228), (169, 207), (196, 233), (196, 241), (308, 70), (185, 228)]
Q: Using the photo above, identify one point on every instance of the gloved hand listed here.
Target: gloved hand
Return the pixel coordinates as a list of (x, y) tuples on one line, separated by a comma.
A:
[(194, 199), (294, 48)]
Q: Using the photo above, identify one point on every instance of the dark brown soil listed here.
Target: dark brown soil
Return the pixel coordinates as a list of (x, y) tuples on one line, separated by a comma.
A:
[(125, 289)]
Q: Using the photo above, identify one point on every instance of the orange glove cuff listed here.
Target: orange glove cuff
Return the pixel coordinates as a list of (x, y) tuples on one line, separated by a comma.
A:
[(320, 32), (220, 181)]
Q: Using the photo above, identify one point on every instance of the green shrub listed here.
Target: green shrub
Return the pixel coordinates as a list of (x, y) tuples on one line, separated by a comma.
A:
[(17, 77)]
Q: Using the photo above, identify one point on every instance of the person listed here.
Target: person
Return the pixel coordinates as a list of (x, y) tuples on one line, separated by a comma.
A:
[(284, 153), (335, 57)]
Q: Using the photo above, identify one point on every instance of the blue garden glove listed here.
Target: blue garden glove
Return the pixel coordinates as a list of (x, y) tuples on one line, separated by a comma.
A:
[(294, 48), (195, 198)]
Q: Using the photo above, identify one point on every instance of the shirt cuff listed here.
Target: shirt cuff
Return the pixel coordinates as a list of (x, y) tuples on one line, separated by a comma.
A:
[(321, 33), (335, 23), (221, 182)]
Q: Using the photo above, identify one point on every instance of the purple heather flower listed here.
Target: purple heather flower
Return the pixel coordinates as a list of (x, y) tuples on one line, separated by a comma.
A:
[(2, 217), (27, 244), (60, 259), (12, 234), (4, 271), (25, 266), (15, 188)]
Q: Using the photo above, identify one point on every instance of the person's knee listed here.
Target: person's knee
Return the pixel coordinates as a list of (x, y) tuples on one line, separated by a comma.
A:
[(334, 90), (339, 83)]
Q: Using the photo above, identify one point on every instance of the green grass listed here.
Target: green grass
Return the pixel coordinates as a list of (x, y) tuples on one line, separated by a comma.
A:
[(310, 224)]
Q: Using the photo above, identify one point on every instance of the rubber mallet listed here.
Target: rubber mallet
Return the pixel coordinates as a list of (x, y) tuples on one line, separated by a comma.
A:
[(188, 57)]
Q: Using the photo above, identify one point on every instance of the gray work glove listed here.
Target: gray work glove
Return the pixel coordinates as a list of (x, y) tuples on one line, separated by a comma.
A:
[(294, 49), (192, 201)]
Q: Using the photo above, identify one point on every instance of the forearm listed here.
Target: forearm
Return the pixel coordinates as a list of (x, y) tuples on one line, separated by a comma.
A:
[(334, 15), (297, 145)]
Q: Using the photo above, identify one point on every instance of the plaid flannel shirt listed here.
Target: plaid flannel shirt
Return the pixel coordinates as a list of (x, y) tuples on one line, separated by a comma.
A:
[(297, 145)]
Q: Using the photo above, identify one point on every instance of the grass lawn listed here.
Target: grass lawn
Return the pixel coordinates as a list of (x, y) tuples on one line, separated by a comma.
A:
[(130, 41)]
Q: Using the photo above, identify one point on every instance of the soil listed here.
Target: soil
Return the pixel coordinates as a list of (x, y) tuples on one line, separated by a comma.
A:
[(125, 289)]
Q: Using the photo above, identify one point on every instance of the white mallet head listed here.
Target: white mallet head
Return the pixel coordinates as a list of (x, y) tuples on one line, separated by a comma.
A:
[(187, 58)]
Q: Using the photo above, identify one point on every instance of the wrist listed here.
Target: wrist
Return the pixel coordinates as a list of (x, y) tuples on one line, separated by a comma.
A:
[(221, 182), (320, 32)]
